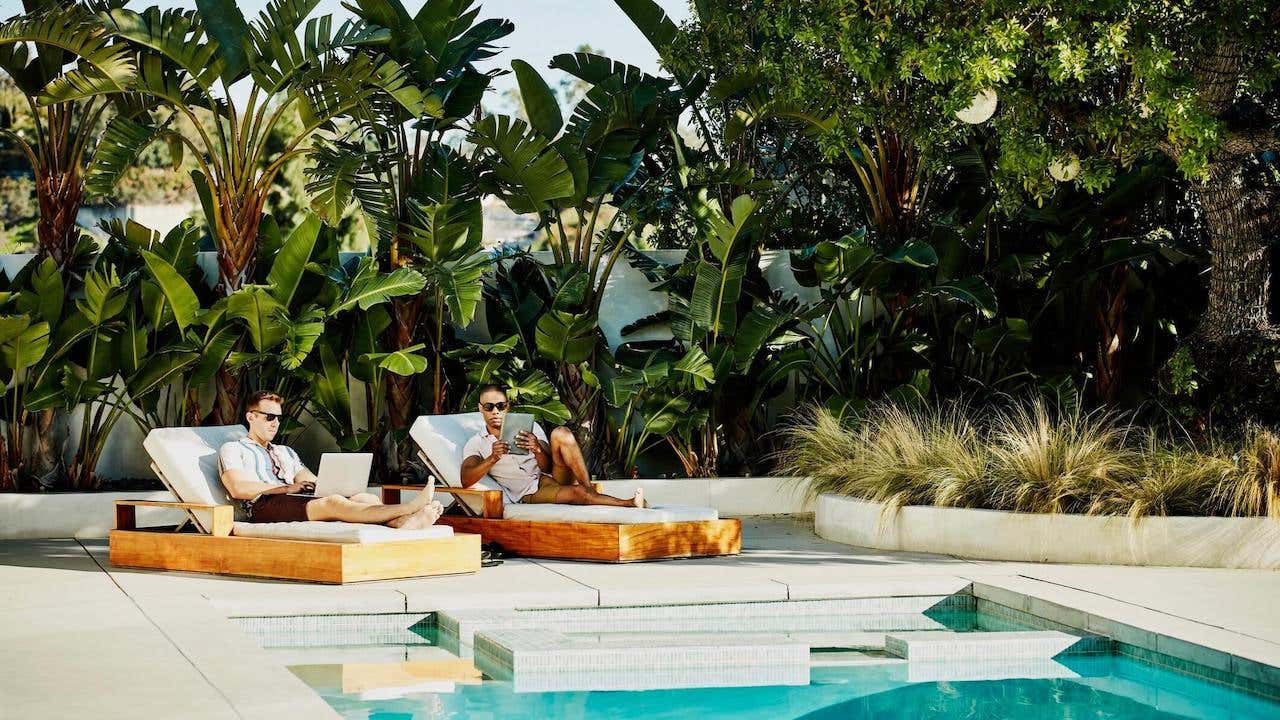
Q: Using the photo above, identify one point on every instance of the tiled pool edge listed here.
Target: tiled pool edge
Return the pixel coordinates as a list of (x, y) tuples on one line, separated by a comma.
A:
[(1240, 674), (1142, 643)]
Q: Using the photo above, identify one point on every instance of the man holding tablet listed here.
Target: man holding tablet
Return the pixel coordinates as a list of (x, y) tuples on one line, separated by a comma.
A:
[(533, 468)]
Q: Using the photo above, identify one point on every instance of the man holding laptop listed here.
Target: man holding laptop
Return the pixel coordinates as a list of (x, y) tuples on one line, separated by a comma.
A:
[(527, 466), (274, 486)]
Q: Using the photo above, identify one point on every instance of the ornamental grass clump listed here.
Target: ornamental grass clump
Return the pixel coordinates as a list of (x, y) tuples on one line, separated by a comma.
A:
[(1174, 479), (1030, 457), (890, 454), (1255, 489), (1044, 460)]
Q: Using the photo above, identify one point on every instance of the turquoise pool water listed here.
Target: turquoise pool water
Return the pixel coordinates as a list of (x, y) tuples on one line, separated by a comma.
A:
[(396, 668), (1104, 687)]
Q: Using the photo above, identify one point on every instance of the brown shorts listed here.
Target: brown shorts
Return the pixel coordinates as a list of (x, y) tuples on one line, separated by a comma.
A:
[(548, 486), (279, 508)]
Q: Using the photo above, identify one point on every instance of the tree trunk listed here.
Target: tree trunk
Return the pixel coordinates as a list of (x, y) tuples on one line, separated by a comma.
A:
[(237, 254), (1109, 310), (8, 480), (59, 195), (45, 463), (226, 400), (1240, 276), (584, 405), (402, 391)]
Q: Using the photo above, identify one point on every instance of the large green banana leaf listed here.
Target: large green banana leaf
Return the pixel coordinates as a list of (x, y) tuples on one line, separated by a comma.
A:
[(180, 299), (368, 287), (258, 309), (289, 265), (529, 171), (566, 337)]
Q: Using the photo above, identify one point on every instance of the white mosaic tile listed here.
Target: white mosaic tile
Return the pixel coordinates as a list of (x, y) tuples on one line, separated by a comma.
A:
[(978, 646), (986, 669), (847, 615), (515, 652), (333, 630)]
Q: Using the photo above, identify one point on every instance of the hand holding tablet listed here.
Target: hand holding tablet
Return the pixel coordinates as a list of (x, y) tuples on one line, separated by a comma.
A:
[(512, 425)]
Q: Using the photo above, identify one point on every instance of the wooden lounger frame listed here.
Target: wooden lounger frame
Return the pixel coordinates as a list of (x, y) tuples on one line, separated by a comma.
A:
[(322, 562), (602, 542)]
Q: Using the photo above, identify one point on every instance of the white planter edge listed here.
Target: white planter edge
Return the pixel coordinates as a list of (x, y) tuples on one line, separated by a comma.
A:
[(1213, 542)]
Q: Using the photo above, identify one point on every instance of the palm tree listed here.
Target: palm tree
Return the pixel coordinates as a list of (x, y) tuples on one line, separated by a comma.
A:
[(188, 61)]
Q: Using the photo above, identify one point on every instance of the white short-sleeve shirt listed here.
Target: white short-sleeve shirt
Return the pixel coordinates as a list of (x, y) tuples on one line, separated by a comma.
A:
[(515, 475), (247, 455)]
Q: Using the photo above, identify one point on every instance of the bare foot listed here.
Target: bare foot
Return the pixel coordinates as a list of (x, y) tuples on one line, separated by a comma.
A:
[(638, 500), (421, 500), (424, 518)]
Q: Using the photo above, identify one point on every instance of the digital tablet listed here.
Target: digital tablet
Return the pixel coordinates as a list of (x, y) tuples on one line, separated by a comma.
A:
[(512, 425)]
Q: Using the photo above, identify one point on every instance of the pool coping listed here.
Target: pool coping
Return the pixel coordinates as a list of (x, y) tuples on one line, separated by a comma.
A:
[(1147, 635)]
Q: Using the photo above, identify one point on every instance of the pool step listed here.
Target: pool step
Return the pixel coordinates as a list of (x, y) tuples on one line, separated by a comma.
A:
[(929, 646), (547, 661), (856, 615)]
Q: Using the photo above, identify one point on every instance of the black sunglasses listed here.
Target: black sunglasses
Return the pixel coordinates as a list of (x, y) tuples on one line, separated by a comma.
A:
[(490, 407), (271, 417)]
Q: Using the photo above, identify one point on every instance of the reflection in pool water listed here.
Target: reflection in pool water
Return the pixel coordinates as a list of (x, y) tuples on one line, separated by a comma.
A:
[(1092, 687)]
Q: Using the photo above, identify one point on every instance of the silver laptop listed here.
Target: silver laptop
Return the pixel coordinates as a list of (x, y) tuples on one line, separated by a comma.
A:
[(344, 474)]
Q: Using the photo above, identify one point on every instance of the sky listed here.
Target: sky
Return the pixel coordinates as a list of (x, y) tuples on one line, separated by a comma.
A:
[(544, 28)]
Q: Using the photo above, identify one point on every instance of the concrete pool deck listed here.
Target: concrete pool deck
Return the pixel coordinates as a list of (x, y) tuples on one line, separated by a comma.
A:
[(86, 638)]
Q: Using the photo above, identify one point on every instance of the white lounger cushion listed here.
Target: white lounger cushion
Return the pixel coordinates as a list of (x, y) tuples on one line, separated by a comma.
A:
[(337, 532), (187, 458), (548, 512)]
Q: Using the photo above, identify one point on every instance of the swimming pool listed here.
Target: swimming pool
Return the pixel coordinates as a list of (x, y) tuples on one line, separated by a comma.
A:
[(406, 668)]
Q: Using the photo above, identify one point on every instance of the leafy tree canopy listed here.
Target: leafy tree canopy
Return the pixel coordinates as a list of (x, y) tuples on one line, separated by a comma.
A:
[(1082, 88)]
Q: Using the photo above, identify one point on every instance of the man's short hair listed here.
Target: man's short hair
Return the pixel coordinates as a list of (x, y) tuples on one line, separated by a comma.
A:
[(254, 399), (487, 387)]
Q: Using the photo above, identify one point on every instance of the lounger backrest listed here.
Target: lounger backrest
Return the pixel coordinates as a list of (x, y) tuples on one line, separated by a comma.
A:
[(187, 460), (442, 438)]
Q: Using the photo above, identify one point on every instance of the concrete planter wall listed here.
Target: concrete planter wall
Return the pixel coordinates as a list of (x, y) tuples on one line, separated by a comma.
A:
[(1027, 537), (92, 514), (78, 515)]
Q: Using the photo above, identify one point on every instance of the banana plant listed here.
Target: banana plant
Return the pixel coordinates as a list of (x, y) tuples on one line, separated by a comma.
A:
[(66, 105), (81, 341), (351, 348), (182, 59), (867, 339), (186, 63), (590, 171), (503, 361), (418, 194), (24, 346), (515, 295), (719, 306), (664, 399)]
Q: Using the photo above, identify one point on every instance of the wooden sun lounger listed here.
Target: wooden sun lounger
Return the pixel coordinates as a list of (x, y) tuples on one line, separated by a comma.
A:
[(190, 456), (324, 562), (602, 542)]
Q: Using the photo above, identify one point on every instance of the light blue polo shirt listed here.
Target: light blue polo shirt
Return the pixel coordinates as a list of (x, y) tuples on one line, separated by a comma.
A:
[(247, 455)]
